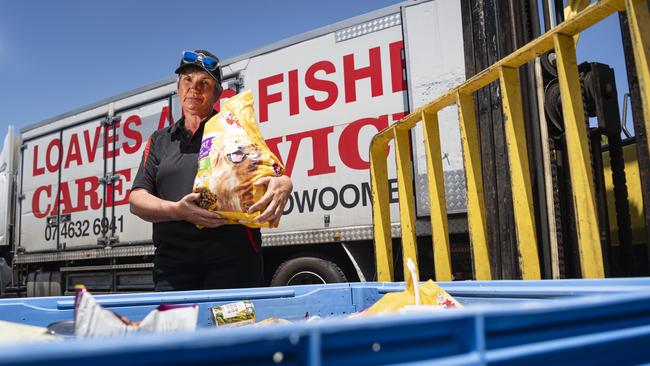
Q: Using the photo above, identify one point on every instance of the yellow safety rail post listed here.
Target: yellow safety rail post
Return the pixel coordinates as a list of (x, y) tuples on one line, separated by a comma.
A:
[(577, 143), (381, 210), (505, 70), (522, 195), (638, 17), (405, 189), (438, 206), (474, 176)]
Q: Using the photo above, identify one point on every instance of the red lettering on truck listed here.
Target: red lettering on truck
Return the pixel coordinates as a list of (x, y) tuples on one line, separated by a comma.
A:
[(52, 157), (87, 188), (320, 149), (36, 208), (314, 80), (323, 85), (349, 146), (74, 153), (165, 116), (36, 170), (397, 66), (91, 146), (349, 141), (352, 75), (88, 195), (294, 101), (112, 138), (65, 201), (115, 190), (265, 98), (131, 134)]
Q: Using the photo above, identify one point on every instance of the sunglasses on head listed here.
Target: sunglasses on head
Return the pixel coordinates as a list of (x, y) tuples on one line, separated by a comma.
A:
[(191, 57)]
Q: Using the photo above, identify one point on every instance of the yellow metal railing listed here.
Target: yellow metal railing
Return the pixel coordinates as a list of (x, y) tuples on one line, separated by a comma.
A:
[(561, 38)]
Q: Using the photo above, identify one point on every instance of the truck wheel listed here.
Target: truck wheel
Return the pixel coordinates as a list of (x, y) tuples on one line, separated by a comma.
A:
[(55, 284), (307, 271), (43, 284)]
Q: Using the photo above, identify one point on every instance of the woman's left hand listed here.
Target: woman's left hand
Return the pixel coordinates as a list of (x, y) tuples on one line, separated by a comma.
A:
[(278, 190)]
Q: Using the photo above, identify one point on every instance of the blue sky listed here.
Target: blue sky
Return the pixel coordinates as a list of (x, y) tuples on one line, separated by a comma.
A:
[(56, 56)]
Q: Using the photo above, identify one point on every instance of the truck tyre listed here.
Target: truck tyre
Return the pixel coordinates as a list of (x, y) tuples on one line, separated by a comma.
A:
[(55, 284), (306, 271), (43, 284), (31, 282)]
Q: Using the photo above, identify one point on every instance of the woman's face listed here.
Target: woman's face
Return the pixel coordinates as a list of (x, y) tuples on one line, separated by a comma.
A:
[(197, 91)]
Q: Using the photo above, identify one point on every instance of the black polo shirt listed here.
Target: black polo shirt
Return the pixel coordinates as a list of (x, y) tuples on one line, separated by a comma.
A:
[(167, 170)]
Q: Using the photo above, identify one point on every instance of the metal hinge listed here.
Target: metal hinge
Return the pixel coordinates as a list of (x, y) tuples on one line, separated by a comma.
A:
[(55, 220), (235, 84), (108, 121), (108, 240), (109, 179)]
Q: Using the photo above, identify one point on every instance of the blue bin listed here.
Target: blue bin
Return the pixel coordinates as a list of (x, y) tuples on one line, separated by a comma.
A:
[(504, 322)]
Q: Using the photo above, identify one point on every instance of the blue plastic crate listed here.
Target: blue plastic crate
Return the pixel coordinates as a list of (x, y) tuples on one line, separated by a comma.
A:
[(505, 322)]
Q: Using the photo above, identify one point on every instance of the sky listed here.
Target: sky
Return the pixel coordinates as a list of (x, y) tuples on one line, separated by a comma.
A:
[(56, 56)]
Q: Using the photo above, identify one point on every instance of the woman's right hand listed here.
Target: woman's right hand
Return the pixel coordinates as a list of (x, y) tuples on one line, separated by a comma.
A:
[(188, 210)]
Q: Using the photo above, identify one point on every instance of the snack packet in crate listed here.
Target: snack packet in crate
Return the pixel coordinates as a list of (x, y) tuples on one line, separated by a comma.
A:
[(233, 156), (234, 314), (93, 320), (428, 296)]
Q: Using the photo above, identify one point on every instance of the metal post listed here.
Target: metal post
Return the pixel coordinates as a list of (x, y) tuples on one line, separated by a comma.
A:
[(522, 195), (474, 175), (591, 259), (381, 211), (639, 23), (406, 198), (438, 202)]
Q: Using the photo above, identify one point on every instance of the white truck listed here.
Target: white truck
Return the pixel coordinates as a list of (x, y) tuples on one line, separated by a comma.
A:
[(320, 97)]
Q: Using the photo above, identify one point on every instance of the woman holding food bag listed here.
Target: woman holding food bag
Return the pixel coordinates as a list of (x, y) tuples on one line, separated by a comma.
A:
[(196, 247)]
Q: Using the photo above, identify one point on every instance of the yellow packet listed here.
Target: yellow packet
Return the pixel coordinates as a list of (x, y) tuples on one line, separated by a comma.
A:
[(233, 156), (430, 294)]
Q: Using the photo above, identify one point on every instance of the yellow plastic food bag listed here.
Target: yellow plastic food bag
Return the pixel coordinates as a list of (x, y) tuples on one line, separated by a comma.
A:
[(430, 294), (233, 156)]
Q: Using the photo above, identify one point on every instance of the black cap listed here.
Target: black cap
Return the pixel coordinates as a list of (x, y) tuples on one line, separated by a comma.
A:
[(216, 73)]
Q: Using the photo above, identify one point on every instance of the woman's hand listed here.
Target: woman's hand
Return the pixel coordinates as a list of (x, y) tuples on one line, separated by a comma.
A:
[(186, 209), (277, 193)]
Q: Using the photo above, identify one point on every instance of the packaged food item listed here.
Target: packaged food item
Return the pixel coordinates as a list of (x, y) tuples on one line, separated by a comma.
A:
[(233, 315), (15, 333), (92, 320), (425, 296), (271, 320), (430, 294), (232, 158)]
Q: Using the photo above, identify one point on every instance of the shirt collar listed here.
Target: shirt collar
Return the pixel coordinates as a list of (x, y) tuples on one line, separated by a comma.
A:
[(179, 126)]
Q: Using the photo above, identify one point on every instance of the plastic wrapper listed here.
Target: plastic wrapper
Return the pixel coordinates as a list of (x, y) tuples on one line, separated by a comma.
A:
[(92, 320), (430, 294), (233, 156), (271, 321), (425, 295), (15, 333), (233, 315)]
